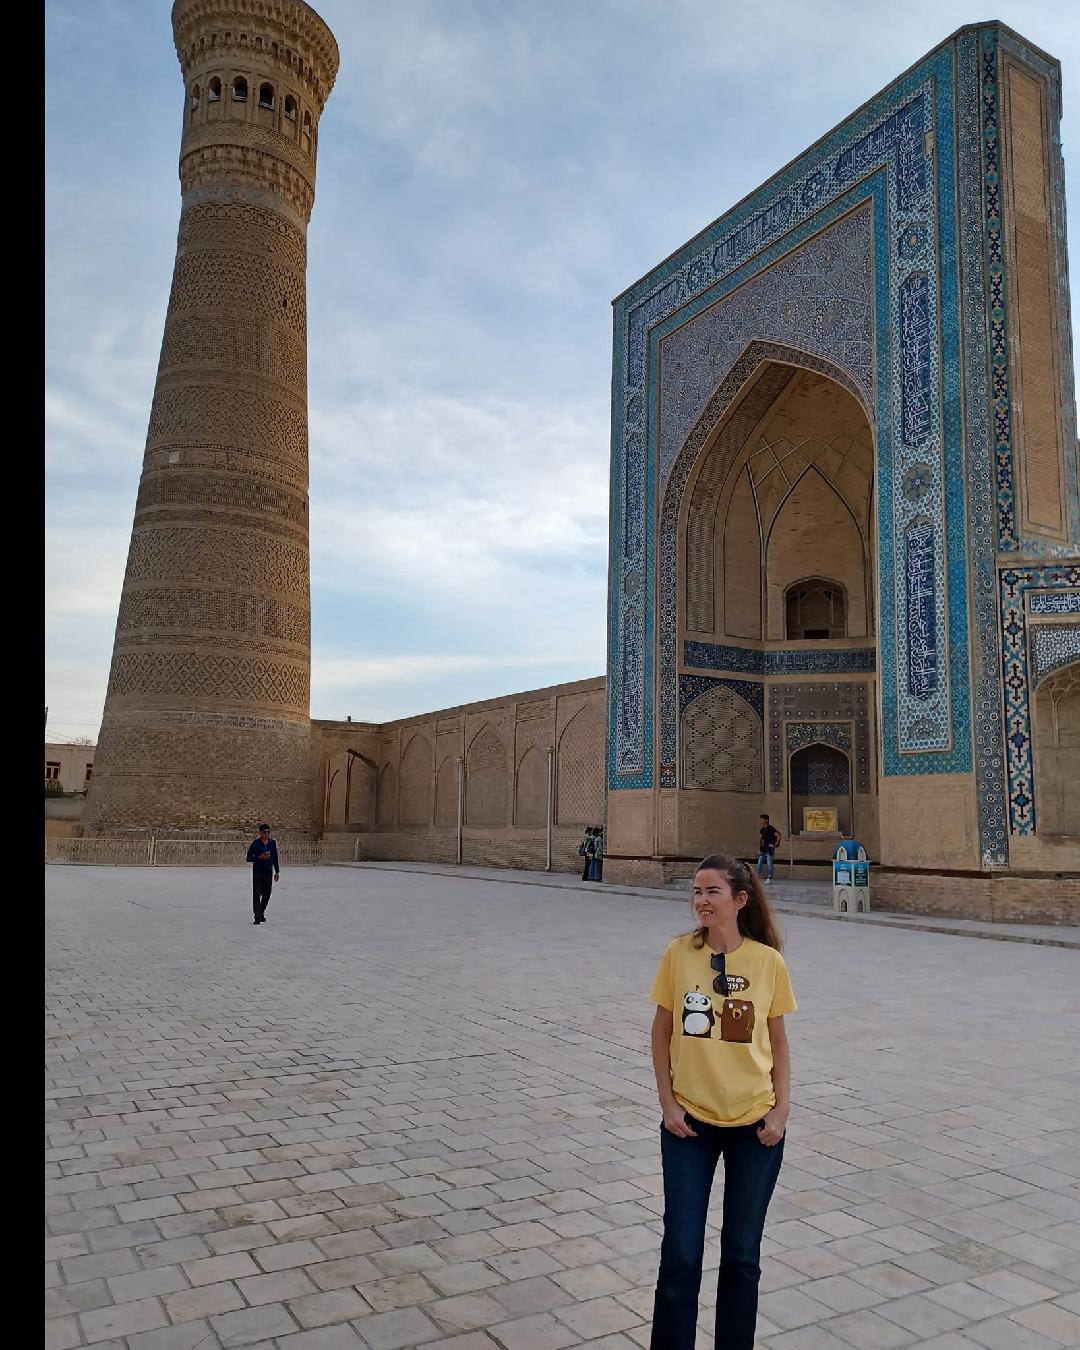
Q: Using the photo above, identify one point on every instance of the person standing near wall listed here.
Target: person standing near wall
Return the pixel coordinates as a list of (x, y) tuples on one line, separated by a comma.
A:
[(584, 851), (595, 869), (769, 842), (265, 870)]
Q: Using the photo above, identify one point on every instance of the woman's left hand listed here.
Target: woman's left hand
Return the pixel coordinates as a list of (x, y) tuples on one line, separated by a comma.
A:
[(771, 1130)]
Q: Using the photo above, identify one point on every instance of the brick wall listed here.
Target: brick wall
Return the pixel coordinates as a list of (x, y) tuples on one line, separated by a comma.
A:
[(504, 746), (992, 898)]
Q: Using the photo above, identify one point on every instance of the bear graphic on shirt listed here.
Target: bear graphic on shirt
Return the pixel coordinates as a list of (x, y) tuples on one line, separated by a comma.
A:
[(737, 1021)]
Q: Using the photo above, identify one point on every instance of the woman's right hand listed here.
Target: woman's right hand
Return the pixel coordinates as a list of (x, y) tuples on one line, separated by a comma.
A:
[(675, 1122)]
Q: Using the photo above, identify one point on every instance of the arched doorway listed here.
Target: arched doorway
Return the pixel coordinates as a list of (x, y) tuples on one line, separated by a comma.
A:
[(1057, 753), (819, 777), (350, 781), (768, 605)]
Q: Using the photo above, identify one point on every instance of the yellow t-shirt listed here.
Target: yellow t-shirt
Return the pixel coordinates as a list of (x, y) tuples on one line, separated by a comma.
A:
[(721, 1055)]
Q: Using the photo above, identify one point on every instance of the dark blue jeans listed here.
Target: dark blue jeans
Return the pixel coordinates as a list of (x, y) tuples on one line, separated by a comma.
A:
[(262, 883), (750, 1172)]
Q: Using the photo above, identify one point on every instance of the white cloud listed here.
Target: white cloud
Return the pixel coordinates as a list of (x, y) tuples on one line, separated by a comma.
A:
[(495, 512)]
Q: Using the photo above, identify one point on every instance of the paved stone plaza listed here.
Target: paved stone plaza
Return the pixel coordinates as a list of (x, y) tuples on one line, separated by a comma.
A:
[(416, 1110)]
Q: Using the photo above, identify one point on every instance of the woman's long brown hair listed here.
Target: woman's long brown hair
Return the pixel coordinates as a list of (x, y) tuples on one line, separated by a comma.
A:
[(755, 919)]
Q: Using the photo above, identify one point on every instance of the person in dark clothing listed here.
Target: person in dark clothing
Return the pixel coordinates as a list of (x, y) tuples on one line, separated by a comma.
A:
[(585, 850), (265, 870), (769, 843), (594, 870)]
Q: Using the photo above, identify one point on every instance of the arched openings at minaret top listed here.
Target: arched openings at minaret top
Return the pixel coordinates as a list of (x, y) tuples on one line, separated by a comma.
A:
[(266, 112), (211, 98)]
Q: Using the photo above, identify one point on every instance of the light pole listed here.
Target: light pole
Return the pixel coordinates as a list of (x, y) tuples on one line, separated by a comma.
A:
[(460, 807), (550, 803)]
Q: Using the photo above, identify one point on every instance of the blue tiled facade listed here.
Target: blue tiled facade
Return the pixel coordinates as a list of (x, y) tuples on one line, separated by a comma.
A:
[(1018, 654), (780, 661), (907, 195)]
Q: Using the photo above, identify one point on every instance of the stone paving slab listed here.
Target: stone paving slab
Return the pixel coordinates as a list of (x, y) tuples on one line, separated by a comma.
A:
[(416, 1109), (786, 898)]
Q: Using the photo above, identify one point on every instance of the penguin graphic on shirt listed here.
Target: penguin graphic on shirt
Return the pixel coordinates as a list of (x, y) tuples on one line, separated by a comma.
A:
[(697, 1014)]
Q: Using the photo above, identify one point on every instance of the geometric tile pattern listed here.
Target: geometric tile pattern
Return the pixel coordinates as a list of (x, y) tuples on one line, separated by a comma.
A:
[(979, 505), (1001, 403), (1019, 682), (820, 769), (912, 484), (818, 299), (801, 734), (721, 743), (1052, 646), (693, 686), (821, 712)]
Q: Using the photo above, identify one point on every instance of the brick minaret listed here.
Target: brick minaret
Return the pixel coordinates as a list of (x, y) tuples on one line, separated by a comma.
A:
[(206, 722)]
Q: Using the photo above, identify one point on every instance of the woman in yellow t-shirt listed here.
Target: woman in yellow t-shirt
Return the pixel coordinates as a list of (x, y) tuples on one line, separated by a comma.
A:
[(723, 1073)]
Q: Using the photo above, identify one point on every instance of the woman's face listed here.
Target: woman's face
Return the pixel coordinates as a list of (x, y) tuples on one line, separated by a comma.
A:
[(713, 901)]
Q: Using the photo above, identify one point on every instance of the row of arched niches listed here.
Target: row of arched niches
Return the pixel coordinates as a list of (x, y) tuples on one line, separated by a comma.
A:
[(244, 98)]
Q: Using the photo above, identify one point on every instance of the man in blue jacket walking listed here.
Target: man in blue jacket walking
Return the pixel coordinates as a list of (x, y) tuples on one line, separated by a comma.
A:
[(264, 871)]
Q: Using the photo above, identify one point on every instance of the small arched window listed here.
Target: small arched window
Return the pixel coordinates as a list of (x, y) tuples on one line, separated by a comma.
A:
[(290, 107), (815, 608), (213, 90), (196, 98), (266, 96), (239, 90), (307, 130)]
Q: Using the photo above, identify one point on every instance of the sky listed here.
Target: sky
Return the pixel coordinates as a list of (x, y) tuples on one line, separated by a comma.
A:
[(492, 173)]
